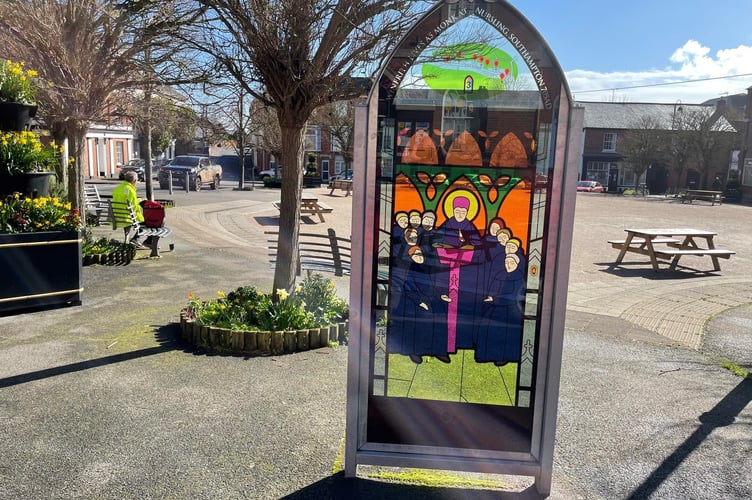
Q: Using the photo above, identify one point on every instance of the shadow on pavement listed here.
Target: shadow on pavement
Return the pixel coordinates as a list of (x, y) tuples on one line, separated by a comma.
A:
[(722, 414), (645, 271), (167, 336), (340, 487)]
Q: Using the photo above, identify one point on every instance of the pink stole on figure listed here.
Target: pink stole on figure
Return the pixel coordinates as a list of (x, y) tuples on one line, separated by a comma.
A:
[(455, 257)]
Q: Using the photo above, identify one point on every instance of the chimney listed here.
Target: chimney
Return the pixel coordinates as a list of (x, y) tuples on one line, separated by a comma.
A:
[(720, 107)]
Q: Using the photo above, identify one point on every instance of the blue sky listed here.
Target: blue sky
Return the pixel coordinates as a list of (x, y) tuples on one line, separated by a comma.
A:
[(612, 45)]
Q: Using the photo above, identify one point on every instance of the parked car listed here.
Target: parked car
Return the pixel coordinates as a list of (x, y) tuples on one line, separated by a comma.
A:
[(270, 173), (137, 165), (342, 177), (541, 181), (591, 187), (201, 170), (157, 165)]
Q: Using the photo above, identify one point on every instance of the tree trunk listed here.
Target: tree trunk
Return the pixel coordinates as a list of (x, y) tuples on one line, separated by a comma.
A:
[(289, 213), (241, 141), (61, 170), (77, 139), (148, 163)]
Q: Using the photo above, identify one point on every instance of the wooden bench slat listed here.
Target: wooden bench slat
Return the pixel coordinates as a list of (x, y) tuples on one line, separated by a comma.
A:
[(718, 252), (325, 208), (642, 240)]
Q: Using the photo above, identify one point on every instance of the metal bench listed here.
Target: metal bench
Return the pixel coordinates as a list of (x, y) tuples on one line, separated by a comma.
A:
[(317, 252), (124, 215), (96, 209)]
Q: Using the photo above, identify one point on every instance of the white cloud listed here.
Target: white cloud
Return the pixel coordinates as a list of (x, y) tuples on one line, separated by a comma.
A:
[(705, 76)]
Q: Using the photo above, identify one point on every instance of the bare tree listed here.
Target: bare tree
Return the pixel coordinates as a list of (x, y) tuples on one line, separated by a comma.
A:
[(339, 118), (295, 56), (678, 144), (642, 145), (265, 129), (229, 105), (710, 138), (88, 51), (169, 121)]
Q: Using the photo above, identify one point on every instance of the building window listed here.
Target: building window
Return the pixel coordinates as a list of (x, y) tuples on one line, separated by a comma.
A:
[(312, 139), (747, 173), (335, 147), (339, 166), (119, 153), (627, 178), (597, 171), (609, 141), (458, 113)]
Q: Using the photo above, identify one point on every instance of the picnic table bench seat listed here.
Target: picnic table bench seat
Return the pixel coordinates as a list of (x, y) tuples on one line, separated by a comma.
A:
[(124, 211), (717, 252)]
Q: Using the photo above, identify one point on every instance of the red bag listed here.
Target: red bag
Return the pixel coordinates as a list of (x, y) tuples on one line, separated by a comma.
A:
[(154, 213)]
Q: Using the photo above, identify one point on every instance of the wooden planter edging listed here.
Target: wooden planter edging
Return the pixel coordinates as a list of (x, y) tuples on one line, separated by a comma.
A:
[(260, 343), (121, 258)]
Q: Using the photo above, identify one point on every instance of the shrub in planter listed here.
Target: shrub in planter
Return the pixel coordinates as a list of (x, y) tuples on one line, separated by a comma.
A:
[(40, 254), (281, 323), (105, 251)]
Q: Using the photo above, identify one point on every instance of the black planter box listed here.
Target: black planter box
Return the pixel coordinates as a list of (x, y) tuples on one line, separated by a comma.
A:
[(15, 116), (39, 271), (31, 184)]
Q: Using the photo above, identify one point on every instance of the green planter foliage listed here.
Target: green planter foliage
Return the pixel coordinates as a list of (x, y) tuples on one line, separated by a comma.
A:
[(268, 322)]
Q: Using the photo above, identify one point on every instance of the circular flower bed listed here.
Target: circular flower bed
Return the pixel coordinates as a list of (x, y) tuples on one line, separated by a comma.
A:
[(105, 251), (251, 322)]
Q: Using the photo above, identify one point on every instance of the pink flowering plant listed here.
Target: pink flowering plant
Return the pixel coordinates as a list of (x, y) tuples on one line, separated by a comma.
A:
[(21, 214)]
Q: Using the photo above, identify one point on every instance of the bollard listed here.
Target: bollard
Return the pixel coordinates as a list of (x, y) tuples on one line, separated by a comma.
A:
[(187, 183), (169, 183)]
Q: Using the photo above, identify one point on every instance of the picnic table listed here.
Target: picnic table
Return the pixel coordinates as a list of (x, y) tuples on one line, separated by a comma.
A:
[(670, 244), (343, 184), (310, 205), (702, 194)]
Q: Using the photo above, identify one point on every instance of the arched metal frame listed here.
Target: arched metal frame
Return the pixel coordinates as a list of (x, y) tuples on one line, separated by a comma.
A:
[(475, 82)]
